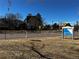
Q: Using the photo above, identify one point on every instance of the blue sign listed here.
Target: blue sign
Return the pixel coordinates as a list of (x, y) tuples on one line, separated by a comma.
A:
[(68, 31)]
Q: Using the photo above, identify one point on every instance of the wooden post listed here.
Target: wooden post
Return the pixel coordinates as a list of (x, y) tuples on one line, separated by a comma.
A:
[(62, 33), (73, 34)]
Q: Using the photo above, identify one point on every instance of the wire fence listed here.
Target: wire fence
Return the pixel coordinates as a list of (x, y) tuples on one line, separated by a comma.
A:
[(12, 34), (15, 34)]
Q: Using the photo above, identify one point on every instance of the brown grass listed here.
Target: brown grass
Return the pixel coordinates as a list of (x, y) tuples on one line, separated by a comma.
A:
[(50, 48)]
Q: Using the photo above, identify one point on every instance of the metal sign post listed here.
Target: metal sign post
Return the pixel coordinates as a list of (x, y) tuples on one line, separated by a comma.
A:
[(68, 31)]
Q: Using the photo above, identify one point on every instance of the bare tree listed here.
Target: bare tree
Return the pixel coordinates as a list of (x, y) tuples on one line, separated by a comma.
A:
[(34, 22)]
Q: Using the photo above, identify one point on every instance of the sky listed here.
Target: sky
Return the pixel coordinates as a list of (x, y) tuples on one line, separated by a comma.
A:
[(51, 10)]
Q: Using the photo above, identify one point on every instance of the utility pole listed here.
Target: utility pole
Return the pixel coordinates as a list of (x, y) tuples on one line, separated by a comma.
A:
[(5, 28), (9, 5)]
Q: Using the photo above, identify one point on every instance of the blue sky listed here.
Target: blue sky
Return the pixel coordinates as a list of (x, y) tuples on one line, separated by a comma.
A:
[(51, 10)]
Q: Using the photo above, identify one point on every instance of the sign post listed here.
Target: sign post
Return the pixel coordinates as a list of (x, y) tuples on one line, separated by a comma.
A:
[(68, 32)]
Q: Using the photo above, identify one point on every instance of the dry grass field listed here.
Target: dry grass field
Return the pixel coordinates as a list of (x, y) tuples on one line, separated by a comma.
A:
[(39, 48)]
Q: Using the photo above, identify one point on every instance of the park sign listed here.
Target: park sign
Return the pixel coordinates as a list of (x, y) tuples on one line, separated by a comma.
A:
[(68, 32)]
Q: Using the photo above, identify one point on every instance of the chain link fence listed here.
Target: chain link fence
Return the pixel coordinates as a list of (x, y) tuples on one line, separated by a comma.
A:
[(13, 34)]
